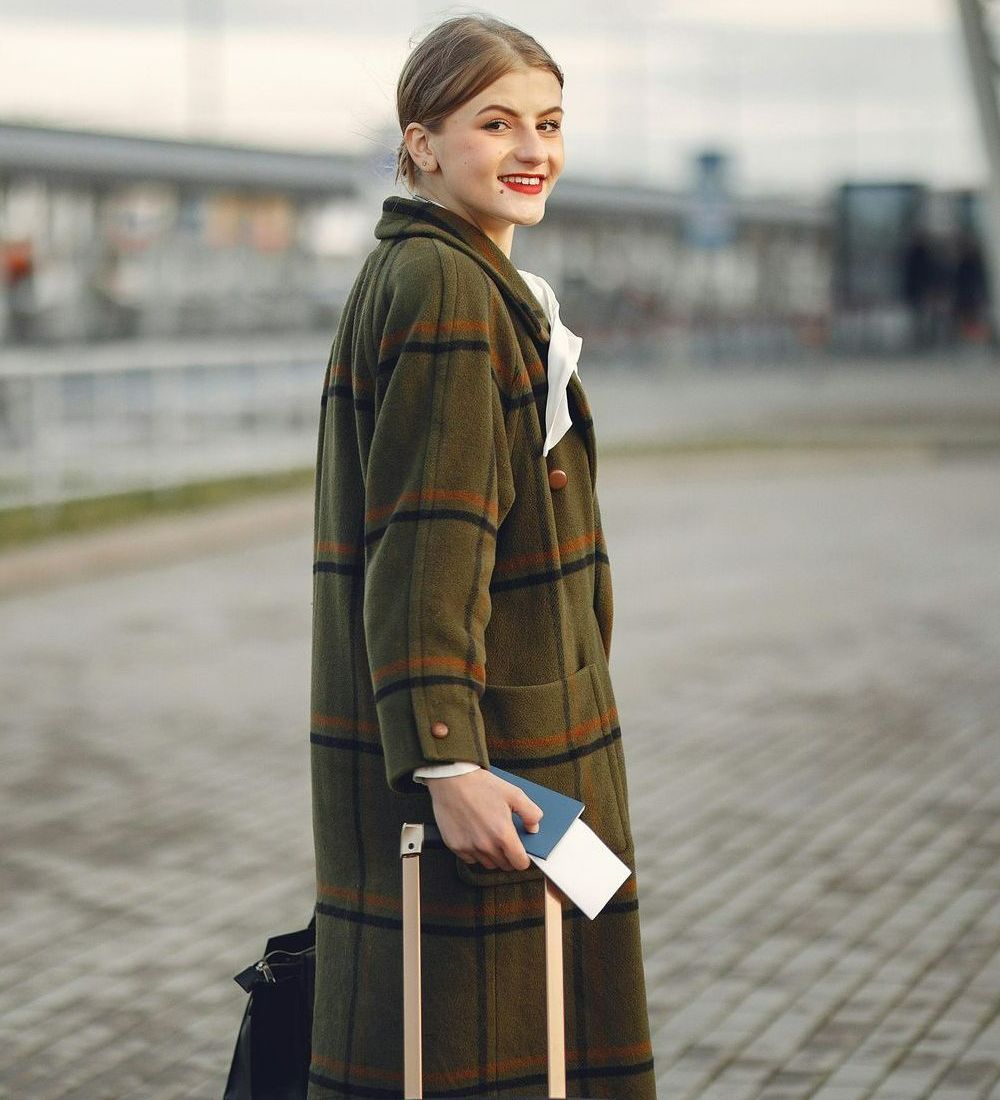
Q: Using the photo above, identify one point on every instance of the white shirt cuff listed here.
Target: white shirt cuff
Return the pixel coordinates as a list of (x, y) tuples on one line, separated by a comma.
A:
[(436, 771)]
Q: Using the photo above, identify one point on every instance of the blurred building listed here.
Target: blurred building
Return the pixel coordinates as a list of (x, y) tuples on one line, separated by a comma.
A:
[(909, 267), (108, 236), (145, 237), (166, 307)]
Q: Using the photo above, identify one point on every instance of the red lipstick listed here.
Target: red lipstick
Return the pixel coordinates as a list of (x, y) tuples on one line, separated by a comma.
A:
[(525, 189)]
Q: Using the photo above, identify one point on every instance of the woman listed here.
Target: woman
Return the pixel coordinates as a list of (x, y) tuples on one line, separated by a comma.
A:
[(462, 615)]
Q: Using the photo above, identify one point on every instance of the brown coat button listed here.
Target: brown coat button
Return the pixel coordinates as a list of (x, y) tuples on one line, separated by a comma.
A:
[(439, 729), (557, 479)]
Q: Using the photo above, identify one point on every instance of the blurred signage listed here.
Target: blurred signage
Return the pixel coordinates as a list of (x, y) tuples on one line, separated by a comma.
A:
[(874, 223), (711, 217)]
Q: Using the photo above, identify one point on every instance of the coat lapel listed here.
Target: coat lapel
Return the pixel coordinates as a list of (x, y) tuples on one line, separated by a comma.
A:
[(585, 421), (403, 217)]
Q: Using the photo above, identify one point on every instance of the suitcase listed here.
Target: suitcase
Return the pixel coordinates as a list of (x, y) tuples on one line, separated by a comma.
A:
[(411, 843)]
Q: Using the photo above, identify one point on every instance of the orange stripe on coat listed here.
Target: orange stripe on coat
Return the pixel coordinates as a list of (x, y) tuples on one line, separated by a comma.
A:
[(542, 557), (348, 549), (439, 330), (416, 496), (337, 721), (573, 733), (415, 664)]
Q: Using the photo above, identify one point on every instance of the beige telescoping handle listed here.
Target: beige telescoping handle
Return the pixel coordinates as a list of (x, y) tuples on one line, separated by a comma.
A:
[(411, 843)]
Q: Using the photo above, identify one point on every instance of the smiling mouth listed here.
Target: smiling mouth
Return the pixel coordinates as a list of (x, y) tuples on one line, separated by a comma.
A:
[(523, 185)]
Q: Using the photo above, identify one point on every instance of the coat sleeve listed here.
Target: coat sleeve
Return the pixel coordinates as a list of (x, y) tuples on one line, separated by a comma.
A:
[(438, 484)]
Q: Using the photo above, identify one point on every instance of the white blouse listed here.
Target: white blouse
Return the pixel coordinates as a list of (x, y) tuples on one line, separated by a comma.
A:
[(564, 352)]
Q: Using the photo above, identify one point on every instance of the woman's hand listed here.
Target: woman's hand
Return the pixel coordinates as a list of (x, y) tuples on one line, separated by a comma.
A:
[(473, 813)]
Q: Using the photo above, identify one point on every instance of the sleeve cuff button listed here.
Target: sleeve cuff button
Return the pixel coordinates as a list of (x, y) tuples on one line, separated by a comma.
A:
[(439, 729)]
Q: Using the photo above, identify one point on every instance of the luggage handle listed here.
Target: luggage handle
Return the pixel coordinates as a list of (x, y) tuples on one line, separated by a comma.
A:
[(411, 843)]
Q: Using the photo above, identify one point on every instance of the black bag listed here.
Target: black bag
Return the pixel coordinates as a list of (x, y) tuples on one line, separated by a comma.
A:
[(274, 1044)]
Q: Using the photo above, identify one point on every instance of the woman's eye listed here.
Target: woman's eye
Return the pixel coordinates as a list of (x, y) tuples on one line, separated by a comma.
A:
[(499, 121)]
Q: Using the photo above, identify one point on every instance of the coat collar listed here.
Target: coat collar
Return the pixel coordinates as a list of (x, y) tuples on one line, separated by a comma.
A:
[(403, 217)]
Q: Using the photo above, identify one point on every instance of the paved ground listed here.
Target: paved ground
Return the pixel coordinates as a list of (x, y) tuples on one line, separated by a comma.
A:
[(805, 656), (910, 402)]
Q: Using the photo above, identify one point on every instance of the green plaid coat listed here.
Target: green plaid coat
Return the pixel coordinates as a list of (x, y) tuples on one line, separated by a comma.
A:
[(454, 582)]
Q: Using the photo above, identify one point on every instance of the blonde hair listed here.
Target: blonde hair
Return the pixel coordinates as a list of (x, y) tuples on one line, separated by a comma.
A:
[(452, 64)]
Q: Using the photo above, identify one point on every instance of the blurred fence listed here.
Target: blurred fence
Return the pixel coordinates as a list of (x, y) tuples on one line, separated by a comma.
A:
[(144, 415), (94, 420)]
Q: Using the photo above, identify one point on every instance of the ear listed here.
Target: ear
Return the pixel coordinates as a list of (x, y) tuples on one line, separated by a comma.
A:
[(417, 138)]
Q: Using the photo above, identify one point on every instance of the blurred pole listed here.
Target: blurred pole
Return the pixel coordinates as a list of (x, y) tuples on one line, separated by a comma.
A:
[(205, 69), (983, 58)]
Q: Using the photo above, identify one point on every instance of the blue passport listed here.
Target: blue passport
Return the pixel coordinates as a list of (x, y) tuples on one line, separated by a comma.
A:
[(559, 811)]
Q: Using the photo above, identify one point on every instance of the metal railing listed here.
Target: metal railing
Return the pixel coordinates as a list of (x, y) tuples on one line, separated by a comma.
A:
[(91, 421)]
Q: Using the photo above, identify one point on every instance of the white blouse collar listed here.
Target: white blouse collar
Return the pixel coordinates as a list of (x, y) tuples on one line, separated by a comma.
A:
[(564, 353)]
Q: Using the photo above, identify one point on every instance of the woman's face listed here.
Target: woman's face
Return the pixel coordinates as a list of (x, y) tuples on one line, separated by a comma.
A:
[(512, 128)]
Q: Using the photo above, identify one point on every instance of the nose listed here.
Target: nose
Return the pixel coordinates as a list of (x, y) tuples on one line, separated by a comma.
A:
[(531, 148)]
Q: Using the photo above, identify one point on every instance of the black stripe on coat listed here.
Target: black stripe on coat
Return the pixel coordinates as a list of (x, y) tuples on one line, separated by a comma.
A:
[(386, 366), (475, 518), (459, 931), (549, 575), (484, 1088), (507, 763)]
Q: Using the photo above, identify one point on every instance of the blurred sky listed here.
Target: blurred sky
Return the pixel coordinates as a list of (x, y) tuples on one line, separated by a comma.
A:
[(803, 94)]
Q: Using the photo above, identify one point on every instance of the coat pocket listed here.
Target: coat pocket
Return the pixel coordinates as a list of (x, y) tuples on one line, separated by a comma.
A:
[(556, 734)]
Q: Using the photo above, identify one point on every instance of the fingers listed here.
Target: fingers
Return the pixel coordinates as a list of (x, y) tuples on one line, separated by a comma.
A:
[(485, 861), (473, 812), (512, 856), (518, 856), (530, 814), (502, 854)]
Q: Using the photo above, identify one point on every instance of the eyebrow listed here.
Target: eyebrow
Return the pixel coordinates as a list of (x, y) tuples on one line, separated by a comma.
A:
[(511, 111)]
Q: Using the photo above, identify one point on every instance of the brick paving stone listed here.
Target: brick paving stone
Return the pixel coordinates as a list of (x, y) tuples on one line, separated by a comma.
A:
[(857, 1074), (828, 1091), (807, 689), (888, 807)]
